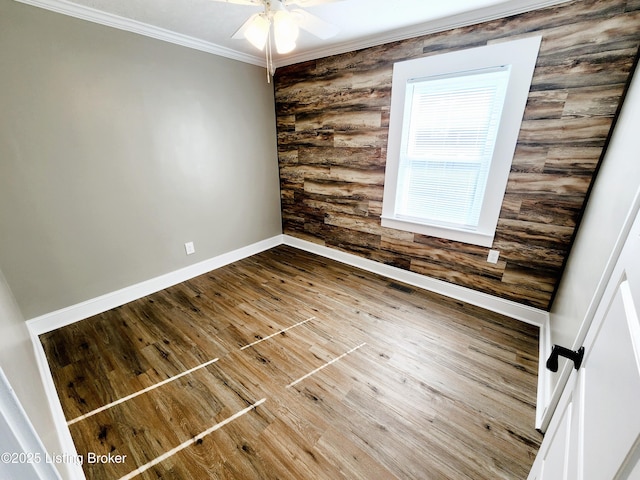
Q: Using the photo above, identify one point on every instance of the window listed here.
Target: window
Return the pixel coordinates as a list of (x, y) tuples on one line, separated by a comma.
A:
[(454, 125)]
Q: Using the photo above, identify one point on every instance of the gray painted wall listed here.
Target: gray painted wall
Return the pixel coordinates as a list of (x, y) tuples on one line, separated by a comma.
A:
[(115, 150)]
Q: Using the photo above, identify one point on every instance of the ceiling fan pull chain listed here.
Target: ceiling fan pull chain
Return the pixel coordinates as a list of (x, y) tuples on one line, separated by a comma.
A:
[(269, 58)]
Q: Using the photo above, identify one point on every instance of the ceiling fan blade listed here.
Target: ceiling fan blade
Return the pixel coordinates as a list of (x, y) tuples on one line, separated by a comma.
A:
[(314, 25), (255, 29), (308, 3), (239, 34)]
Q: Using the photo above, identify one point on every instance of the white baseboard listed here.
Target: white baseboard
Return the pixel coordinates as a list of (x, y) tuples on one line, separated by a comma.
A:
[(544, 377), (509, 308), (533, 316), (66, 316), (68, 469)]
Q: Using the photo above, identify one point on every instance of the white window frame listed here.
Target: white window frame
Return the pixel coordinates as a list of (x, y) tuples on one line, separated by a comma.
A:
[(521, 55)]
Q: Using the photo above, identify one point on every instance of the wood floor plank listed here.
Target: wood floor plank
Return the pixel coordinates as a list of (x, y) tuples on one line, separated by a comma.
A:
[(362, 378)]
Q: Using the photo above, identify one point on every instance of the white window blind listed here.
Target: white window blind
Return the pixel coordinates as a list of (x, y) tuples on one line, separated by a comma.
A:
[(450, 128), (453, 129)]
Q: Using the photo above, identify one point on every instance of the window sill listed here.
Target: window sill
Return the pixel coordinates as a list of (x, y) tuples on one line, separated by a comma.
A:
[(481, 239)]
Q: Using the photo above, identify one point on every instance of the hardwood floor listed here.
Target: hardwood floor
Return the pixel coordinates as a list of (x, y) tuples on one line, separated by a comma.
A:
[(291, 366)]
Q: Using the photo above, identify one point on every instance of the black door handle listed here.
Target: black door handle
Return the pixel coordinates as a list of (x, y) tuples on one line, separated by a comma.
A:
[(557, 351)]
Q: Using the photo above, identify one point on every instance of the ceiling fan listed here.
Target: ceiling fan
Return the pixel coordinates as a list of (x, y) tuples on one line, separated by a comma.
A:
[(282, 23)]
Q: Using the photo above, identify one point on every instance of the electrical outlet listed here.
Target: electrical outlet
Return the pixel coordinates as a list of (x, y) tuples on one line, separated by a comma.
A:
[(493, 256), (189, 248)]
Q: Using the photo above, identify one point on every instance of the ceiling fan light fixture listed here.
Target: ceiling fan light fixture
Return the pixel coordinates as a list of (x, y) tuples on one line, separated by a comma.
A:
[(276, 24), (258, 31), (285, 31)]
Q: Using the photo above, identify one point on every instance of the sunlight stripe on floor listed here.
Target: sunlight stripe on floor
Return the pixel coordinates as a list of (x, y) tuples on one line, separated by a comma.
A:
[(325, 365), (184, 445), (140, 392), (277, 333)]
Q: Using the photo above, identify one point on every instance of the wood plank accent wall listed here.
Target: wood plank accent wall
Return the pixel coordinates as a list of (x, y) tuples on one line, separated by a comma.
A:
[(333, 117)]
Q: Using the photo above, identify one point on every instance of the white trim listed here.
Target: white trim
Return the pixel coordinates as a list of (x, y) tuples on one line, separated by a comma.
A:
[(74, 313), (473, 237), (524, 313), (533, 316), (544, 375), (66, 316), (493, 12), (521, 56), (20, 438), (134, 26), (548, 407), (72, 470)]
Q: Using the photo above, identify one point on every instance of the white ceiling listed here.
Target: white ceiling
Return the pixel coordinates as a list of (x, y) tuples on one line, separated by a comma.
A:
[(208, 24)]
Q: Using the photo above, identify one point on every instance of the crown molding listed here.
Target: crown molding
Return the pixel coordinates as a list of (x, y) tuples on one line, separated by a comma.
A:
[(434, 26), (110, 20), (439, 25)]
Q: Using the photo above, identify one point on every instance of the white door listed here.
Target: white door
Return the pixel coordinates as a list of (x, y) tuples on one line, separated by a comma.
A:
[(22, 455), (595, 431)]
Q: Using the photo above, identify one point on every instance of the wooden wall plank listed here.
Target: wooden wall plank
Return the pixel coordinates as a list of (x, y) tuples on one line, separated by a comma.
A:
[(333, 117)]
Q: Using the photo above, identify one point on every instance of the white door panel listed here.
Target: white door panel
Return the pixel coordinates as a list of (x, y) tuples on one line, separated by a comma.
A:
[(611, 382), (596, 435), (555, 463), (23, 456)]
